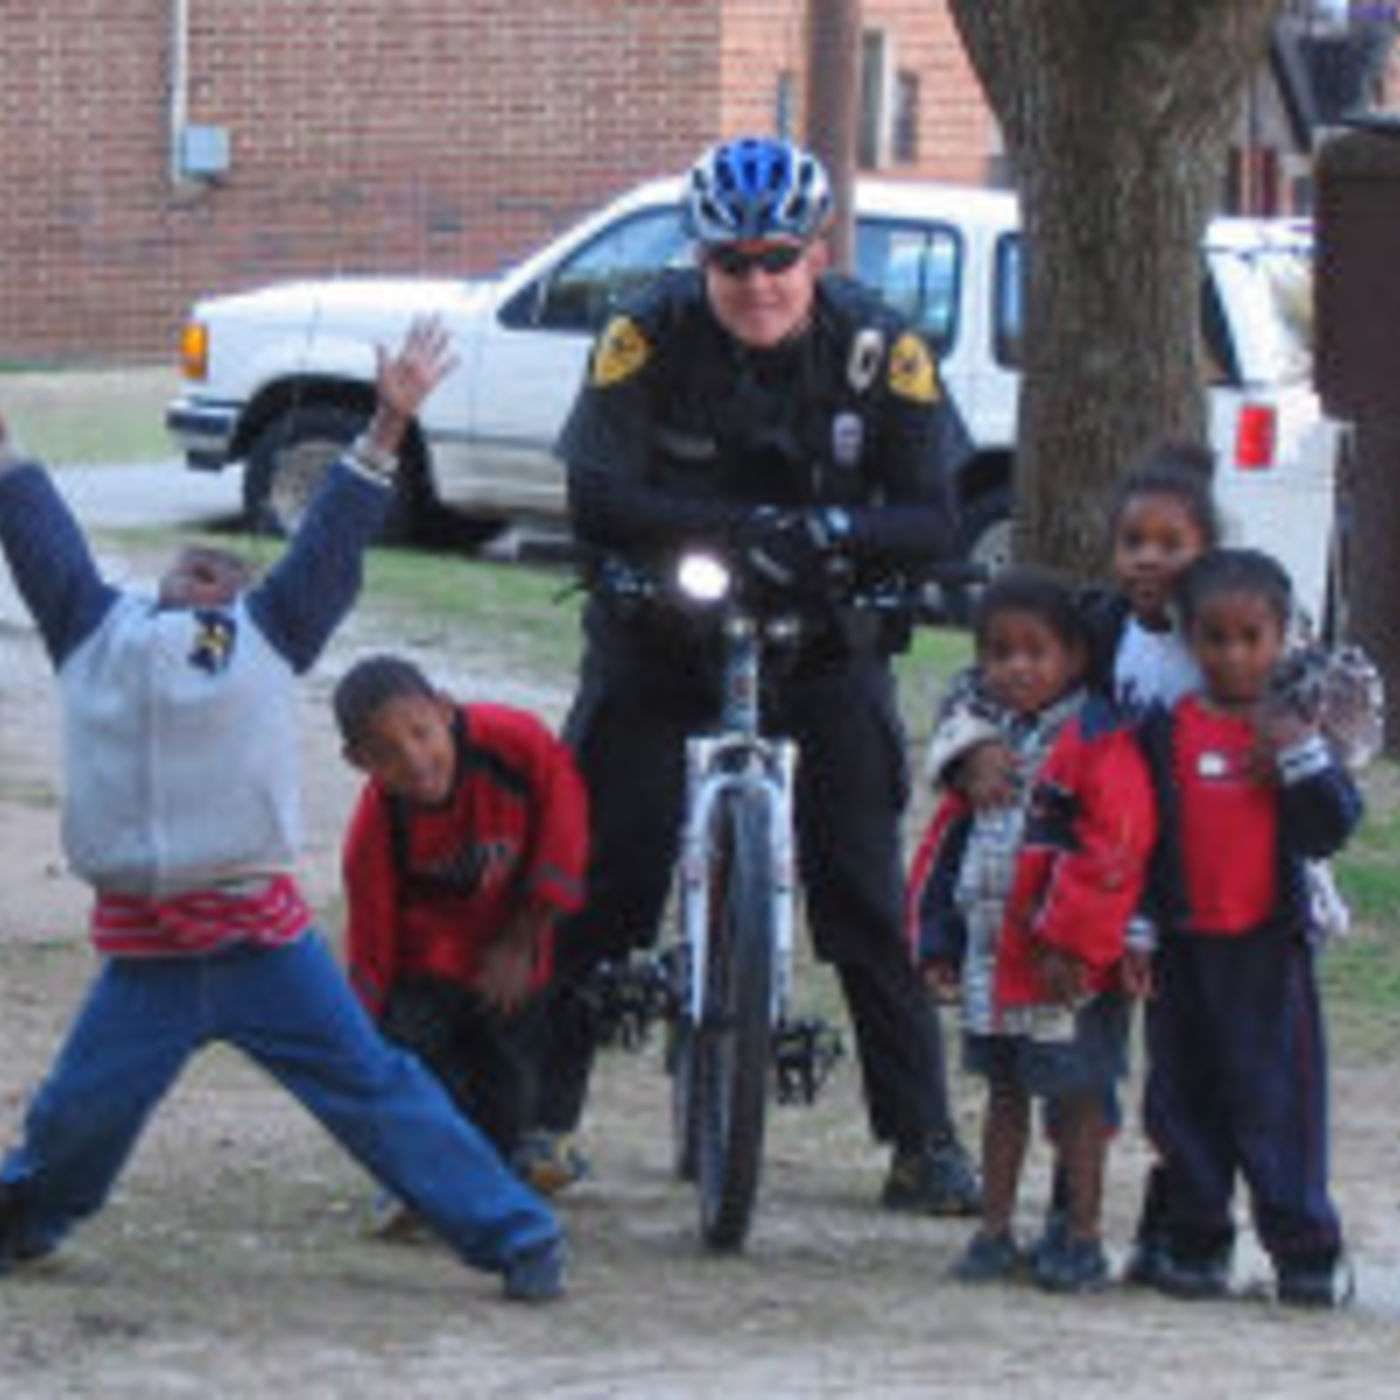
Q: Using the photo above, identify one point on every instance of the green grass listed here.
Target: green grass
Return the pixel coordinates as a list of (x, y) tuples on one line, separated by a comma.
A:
[(90, 415), (528, 615), (1369, 869)]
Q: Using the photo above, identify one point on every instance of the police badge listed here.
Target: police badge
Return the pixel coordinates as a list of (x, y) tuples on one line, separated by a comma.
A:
[(847, 439)]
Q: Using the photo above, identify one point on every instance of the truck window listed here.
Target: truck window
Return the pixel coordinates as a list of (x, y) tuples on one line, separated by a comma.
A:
[(917, 268), (583, 291), (1007, 309)]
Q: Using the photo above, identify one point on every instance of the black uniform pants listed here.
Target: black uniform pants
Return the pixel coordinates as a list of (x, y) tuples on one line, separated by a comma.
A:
[(628, 733)]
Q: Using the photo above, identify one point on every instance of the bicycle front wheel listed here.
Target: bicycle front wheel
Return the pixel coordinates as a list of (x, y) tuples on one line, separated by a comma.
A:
[(731, 1043)]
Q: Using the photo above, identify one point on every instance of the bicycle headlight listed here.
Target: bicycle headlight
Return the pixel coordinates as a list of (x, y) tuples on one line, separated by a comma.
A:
[(702, 577)]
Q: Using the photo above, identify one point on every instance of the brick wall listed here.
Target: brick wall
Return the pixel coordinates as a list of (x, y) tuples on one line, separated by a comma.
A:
[(430, 135)]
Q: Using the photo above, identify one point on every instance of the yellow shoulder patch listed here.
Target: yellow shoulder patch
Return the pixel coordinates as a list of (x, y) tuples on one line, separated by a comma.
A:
[(913, 375), (621, 351)]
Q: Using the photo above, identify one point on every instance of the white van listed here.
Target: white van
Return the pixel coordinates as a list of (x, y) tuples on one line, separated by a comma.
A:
[(280, 377)]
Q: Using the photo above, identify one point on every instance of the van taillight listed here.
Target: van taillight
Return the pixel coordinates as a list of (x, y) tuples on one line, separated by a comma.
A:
[(1255, 437)]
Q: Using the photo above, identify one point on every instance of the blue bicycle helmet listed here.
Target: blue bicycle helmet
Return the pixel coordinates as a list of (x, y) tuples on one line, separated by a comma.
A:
[(756, 187)]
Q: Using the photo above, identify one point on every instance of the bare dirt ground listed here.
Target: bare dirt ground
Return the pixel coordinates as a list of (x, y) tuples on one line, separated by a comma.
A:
[(231, 1262)]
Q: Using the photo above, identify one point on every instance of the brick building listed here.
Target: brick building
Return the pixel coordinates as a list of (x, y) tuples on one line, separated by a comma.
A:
[(357, 135), (155, 150)]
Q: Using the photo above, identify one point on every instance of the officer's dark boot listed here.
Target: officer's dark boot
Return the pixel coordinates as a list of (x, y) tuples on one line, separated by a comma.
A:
[(936, 1177)]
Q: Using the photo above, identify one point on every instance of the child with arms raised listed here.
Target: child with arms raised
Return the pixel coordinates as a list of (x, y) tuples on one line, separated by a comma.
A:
[(181, 809)]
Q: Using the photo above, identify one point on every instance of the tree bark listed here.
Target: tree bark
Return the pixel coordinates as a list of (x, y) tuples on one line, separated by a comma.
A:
[(1116, 117)]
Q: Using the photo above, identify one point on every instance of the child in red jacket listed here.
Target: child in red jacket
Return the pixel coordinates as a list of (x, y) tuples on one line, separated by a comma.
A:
[(469, 840), (1026, 903)]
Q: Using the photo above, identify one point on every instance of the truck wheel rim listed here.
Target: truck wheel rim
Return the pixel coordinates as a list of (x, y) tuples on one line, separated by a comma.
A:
[(300, 471)]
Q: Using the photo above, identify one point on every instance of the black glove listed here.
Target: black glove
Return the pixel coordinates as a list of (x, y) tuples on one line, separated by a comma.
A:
[(796, 551)]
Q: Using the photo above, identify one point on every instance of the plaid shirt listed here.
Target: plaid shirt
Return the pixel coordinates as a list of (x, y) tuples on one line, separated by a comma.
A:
[(988, 867)]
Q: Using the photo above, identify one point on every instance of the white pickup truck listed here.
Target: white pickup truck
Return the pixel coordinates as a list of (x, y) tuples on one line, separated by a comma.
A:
[(280, 377)]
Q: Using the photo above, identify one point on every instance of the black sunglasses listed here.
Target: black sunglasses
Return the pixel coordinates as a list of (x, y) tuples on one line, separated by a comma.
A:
[(734, 262)]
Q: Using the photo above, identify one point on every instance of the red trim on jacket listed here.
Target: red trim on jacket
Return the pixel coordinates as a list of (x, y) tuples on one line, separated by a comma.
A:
[(1083, 863), (951, 806), (428, 889)]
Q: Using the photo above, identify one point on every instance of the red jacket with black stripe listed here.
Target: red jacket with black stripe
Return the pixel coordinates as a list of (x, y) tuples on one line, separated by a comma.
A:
[(429, 889)]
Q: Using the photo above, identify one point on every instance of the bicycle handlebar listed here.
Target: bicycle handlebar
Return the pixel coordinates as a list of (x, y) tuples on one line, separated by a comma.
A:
[(894, 591)]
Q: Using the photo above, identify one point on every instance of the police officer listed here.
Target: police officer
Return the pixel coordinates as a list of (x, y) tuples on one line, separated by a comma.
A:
[(759, 405)]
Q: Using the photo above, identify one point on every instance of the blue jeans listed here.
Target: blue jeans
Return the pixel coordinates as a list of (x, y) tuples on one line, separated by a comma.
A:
[(291, 1010)]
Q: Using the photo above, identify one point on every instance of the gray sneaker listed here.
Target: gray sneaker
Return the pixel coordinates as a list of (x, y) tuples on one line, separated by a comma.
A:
[(550, 1162), (536, 1275), (1325, 1283), (935, 1179)]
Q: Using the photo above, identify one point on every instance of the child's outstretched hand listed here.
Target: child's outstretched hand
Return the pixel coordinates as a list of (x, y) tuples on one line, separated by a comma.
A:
[(403, 380), (987, 776), (1063, 976)]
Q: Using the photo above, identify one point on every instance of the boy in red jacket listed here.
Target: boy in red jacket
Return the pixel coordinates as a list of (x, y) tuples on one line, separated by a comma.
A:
[(469, 840)]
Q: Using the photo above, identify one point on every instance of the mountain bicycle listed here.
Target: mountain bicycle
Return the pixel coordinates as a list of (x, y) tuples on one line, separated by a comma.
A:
[(733, 1033)]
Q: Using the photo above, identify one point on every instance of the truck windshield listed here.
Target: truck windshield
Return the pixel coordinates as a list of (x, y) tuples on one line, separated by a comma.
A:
[(1265, 296)]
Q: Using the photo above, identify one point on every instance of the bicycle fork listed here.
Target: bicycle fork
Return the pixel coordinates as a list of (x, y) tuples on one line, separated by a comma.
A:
[(715, 765)]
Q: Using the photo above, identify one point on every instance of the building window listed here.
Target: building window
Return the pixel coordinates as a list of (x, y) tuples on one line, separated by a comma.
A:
[(905, 136), (784, 113), (872, 142)]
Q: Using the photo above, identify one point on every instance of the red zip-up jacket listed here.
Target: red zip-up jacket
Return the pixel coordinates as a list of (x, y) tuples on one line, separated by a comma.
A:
[(429, 888), (1084, 858), (1079, 873)]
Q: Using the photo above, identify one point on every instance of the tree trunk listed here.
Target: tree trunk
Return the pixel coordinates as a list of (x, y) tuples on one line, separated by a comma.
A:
[(1116, 117)]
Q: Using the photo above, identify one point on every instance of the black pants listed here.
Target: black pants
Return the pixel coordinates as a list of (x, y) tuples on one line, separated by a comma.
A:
[(628, 731), (1237, 1087), (485, 1061)]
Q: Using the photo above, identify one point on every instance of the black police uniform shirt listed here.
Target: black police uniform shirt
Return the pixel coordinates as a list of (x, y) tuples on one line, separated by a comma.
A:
[(680, 431)]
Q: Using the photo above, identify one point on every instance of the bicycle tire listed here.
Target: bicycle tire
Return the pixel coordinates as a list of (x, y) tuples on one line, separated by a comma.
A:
[(685, 1116), (732, 1042)]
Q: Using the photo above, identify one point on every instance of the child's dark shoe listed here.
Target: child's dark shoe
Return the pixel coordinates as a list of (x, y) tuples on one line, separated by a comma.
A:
[(1052, 1237), (536, 1274), (1194, 1276), (14, 1247), (989, 1259), (1147, 1259), (1072, 1266), (934, 1179), (1316, 1283)]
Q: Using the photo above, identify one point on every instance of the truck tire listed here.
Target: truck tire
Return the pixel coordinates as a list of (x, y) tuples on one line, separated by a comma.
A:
[(289, 460), (986, 536)]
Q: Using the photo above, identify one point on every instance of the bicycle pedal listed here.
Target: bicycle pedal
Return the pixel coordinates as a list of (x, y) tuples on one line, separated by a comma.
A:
[(804, 1053)]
